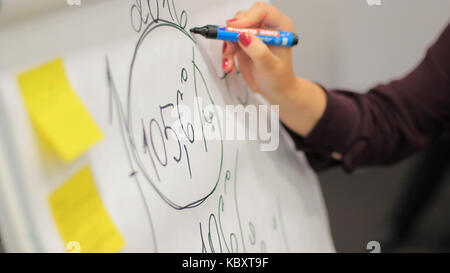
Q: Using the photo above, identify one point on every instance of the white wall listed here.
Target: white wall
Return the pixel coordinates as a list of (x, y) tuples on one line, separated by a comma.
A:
[(349, 44), (12, 11)]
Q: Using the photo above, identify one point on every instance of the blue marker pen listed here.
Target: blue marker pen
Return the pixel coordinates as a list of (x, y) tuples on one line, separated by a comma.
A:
[(269, 37)]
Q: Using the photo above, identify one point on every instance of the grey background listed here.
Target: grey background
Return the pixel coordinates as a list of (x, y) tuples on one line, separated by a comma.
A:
[(349, 44)]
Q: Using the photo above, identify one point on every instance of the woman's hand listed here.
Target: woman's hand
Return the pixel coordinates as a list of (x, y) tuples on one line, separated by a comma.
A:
[(268, 69)]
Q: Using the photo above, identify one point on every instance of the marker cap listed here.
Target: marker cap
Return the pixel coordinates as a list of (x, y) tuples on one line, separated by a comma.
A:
[(295, 40)]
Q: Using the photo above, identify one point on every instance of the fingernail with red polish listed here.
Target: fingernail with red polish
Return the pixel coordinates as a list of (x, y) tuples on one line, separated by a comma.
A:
[(245, 39), (225, 64), (232, 20), (224, 47)]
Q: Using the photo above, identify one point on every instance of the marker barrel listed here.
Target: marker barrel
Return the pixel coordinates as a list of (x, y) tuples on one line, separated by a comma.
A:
[(269, 37)]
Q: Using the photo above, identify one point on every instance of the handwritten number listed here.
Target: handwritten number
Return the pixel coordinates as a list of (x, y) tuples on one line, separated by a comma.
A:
[(188, 162), (155, 19), (213, 217), (153, 121), (227, 178), (184, 75), (154, 12), (189, 133), (146, 149), (167, 128), (137, 7)]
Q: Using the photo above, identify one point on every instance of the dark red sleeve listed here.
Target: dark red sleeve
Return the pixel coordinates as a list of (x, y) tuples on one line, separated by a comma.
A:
[(389, 122)]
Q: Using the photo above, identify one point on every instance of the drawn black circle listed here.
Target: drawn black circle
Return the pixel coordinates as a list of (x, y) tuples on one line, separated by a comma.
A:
[(132, 147)]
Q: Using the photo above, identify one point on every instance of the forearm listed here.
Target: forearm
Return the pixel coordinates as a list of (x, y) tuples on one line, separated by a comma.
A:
[(386, 124), (302, 107)]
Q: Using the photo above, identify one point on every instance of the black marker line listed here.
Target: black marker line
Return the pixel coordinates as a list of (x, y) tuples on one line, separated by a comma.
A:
[(147, 150), (283, 231), (188, 161), (235, 199), (220, 222), (252, 236), (203, 242), (113, 90), (212, 216)]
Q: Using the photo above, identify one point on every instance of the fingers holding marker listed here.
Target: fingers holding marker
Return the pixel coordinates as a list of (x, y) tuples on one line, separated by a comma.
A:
[(227, 65), (228, 52), (245, 62), (261, 14), (251, 46), (258, 52), (240, 14), (229, 49)]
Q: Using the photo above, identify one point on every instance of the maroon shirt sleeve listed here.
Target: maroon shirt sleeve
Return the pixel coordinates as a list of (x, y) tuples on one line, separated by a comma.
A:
[(389, 122)]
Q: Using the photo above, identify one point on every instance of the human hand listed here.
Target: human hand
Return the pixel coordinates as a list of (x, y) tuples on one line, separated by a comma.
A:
[(266, 69)]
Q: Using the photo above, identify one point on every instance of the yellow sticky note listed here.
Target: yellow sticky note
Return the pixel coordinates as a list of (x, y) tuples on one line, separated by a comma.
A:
[(57, 112), (81, 217)]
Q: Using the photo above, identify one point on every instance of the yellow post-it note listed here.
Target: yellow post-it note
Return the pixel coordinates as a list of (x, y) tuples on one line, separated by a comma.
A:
[(57, 113), (81, 216)]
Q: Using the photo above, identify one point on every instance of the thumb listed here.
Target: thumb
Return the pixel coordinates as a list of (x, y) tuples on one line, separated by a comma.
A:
[(255, 48)]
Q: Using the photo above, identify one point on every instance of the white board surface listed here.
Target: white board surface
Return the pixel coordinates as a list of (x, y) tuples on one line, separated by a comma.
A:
[(216, 196)]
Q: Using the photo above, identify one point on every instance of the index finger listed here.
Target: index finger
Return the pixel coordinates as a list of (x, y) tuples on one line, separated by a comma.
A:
[(260, 14)]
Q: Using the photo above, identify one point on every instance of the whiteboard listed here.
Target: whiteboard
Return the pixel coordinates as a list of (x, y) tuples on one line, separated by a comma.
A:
[(214, 195)]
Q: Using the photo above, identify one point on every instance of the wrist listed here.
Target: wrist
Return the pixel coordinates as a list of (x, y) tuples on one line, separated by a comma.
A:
[(303, 106), (286, 92)]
